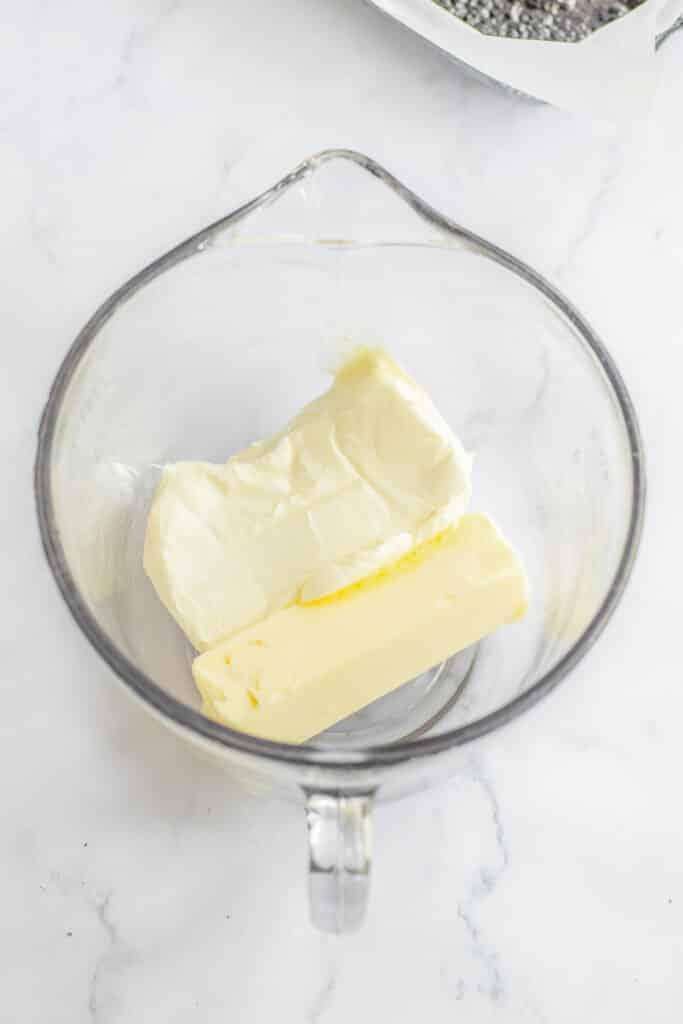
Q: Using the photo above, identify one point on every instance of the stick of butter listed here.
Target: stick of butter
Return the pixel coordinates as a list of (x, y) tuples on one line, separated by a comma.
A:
[(307, 666), (359, 478)]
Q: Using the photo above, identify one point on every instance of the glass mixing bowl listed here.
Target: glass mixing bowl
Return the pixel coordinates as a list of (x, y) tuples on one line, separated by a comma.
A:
[(220, 341)]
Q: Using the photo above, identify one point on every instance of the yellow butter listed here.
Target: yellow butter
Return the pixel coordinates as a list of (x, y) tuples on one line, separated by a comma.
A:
[(307, 666)]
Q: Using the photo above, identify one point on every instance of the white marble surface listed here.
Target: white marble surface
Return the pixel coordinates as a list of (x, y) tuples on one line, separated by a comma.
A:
[(545, 884)]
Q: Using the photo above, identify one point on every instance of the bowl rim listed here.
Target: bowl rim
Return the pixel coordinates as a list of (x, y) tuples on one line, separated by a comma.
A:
[(180, 715)]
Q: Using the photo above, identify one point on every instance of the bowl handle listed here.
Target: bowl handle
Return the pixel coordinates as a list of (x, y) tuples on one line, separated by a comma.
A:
[(339, 842)]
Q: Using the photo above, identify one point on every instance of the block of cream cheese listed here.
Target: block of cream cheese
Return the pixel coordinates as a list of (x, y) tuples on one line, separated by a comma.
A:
[(359, 478), (305, 667)]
